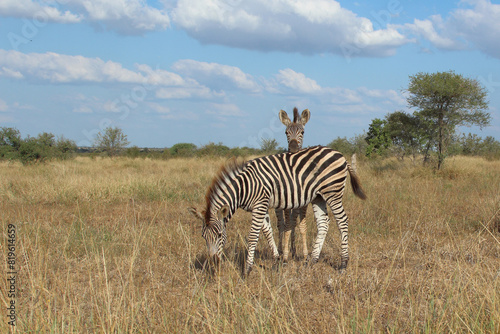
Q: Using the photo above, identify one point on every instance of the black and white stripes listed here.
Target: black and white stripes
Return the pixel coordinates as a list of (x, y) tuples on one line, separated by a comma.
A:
[(314, 175)]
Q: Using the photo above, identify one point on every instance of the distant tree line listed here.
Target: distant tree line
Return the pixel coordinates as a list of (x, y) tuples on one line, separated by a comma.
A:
[(382, 140), (111, 142), (443, 101), (34, 149)]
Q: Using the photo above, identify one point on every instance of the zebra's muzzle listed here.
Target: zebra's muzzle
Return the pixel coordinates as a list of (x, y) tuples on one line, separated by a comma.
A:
[(293, 146), (212, 251)]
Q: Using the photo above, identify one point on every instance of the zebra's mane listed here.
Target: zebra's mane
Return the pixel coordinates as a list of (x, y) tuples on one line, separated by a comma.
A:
[(227, 172), (295, 114)]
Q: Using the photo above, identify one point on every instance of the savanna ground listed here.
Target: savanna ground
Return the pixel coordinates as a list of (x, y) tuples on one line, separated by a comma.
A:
[(107, 245)]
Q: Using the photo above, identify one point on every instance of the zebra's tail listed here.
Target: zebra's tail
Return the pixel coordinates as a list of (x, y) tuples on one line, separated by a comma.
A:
[(355, 183)]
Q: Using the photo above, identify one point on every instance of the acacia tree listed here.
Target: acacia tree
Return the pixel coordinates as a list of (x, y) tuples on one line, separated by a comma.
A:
[(446, 100), (112, 141)]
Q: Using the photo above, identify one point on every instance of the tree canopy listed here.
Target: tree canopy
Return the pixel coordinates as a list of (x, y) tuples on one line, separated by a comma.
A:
[(111, 141), (445, 100)]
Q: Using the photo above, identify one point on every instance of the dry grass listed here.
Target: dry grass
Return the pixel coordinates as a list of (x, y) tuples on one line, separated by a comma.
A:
[(108, 246)]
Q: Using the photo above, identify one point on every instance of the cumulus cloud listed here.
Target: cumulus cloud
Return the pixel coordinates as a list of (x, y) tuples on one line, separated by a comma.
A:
[(65, 69), (217, 76), (37, 11), (427, 30), (128, 17), (476, 27), (314, 26), (291, 83), (297, 82), (58, 68)]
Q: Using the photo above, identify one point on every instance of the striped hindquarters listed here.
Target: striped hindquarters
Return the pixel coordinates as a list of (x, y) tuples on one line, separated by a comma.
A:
[(293, 180)]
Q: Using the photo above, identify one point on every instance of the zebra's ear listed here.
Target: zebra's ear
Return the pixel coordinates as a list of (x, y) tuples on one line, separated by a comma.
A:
[(284, 118), (196, 213), (304, 118), (223, 212)]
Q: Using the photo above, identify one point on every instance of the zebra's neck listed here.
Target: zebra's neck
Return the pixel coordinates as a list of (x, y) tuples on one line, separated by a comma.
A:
[(225, 189)]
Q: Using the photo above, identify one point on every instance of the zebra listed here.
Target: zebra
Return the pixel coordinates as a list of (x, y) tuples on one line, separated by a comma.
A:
[(314, 175), (294, 134)]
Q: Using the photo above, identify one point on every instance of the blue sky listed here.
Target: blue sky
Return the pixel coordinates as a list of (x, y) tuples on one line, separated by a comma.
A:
[(203, 71)]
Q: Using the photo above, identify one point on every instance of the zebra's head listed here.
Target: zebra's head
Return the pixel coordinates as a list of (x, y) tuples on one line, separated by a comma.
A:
[(213, 229), (294, 130)]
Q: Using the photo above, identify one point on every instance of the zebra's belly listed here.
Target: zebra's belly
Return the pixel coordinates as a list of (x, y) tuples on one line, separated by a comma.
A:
[(290, 203)]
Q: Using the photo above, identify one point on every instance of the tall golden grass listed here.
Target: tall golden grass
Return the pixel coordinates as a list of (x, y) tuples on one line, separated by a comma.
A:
[(108, 246)]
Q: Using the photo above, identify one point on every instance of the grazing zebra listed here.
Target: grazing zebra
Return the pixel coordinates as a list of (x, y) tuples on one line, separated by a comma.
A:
[(294, 134), (314, 175)]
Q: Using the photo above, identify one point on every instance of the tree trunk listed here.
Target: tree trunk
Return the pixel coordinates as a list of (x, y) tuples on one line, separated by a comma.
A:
[(440, 140)]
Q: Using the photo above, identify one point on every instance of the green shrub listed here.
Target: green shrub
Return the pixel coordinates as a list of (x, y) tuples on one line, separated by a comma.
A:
[(183, 150), (212, 149)]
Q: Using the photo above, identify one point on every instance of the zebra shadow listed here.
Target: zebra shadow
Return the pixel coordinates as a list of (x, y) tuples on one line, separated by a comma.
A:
[(205, 264), (237, 253)]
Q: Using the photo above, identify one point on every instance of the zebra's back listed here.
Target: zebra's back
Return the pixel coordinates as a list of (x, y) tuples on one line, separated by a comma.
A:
[(293, 180)]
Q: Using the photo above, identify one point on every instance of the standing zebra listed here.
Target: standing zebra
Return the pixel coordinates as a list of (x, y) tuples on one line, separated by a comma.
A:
[(295, 135), (314, 175)]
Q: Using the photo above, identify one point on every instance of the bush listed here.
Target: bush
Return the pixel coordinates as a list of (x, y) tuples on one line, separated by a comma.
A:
[(343, 145), (34, 150), (183, 150), (10, 142), (65, 148), (243, 151), (269, 146), (212, 149), (133, 152)]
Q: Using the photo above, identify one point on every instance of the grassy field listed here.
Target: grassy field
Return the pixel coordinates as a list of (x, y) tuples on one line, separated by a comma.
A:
[(108, 246)]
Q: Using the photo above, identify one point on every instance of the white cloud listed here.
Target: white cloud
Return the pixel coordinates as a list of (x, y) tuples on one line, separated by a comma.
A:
[(224, 110), (480, 26), (159, 108), (291, 83), (217, 76), (65, 69), (37, 11), (297, 82), (285, 25), (427, 30), (383, 94), (477, 27), (362, 100), (58, 68), (128, 17)]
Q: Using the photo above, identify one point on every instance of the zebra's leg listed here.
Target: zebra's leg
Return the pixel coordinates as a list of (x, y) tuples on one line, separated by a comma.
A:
[(258, 218), (337, 208), (289, 227), (281, 229), (322, 223), (293, 223), (267, 229), (303, 230)]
